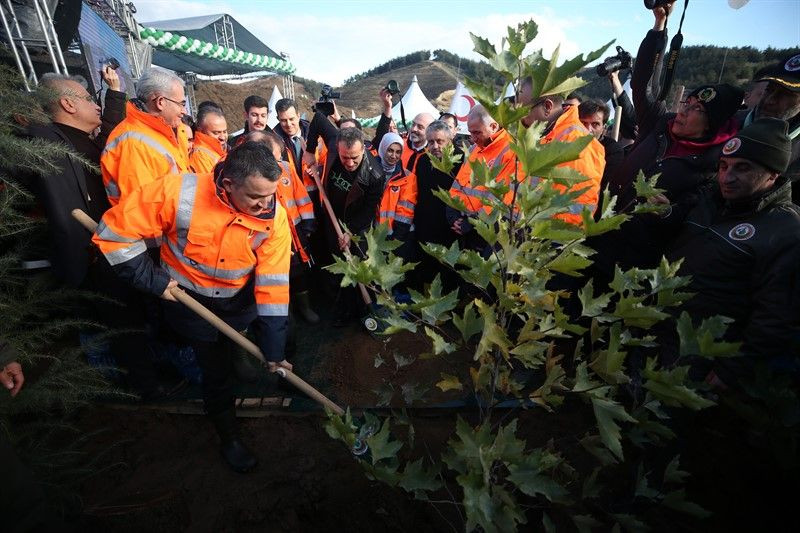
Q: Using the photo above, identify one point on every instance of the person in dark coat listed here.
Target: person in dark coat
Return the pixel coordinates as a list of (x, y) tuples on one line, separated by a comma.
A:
[(741, 246), (75, 116), (781, 99), (353, 180), (683, 148), (430, 219)]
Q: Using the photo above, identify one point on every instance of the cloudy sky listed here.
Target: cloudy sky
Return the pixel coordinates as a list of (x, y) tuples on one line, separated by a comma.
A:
[(331, 40)]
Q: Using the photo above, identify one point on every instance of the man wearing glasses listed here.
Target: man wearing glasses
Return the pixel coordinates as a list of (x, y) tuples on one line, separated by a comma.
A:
[(148, 144)]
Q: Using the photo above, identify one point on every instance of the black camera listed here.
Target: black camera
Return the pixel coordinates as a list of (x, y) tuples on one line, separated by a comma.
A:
[(652, 4), (392, 88), (614, 63), (325, 104), (111, 62)]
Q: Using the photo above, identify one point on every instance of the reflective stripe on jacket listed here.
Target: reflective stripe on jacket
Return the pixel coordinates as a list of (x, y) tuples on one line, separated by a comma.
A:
[(591, 163), (398, 202), (141, 149), (293, 196), (207, 152), (208, 246), (497, 153)]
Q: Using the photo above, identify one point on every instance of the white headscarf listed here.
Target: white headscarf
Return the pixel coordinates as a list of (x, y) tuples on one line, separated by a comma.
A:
[(388, 140)]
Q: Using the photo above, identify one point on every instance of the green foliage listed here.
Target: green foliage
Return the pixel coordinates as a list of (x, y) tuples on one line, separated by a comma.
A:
[(40, 320), (512, 339)]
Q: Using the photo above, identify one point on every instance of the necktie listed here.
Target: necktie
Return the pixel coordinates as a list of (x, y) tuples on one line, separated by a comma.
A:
[(297, 146)]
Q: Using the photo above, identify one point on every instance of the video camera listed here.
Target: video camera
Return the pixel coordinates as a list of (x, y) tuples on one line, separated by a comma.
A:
[(614, 63), (392, 88), (325, 104), (652, 4)]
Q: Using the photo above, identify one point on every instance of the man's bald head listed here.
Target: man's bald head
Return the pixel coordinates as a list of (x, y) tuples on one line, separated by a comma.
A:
[(68, 102), (417, 133)]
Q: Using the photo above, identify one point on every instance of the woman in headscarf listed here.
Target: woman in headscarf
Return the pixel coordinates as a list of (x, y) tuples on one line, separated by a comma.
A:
[(399, 194)]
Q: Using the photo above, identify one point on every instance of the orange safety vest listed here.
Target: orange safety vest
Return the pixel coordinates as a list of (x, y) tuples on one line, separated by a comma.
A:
[(591, 163), (141, 149), (208, 246), (497, 153), (293, 196), (206, 154), (399, 200)]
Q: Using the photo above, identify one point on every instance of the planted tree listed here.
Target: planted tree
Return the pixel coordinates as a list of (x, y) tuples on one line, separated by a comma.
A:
[(517, 338)]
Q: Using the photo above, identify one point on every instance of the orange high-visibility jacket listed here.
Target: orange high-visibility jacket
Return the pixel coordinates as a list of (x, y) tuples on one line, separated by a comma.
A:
[(141, 149), (497, 153), (591, 163), (207, 152), (209, 247), (293, 196), (398, 203)]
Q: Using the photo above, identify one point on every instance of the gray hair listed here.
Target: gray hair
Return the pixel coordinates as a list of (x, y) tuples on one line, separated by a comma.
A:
[(479, 112), (51, 89), (439, 125), (156, 81)]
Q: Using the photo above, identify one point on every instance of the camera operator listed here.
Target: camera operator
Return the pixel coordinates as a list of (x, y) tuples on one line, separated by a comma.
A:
[(683, 148), (416, 141)]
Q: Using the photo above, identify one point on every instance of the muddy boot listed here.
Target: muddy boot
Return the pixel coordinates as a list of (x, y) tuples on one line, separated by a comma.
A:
[(302, 303), (233, 450), (243, 366)]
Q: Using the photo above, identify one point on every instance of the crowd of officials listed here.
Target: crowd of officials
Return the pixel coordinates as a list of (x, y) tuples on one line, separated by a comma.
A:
[(242, 224)]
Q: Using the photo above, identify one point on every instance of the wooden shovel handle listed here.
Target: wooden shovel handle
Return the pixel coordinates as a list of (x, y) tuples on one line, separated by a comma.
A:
[(338, 229), (228, 331)]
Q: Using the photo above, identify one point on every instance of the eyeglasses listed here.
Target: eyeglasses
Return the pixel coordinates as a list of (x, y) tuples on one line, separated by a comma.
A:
[(182, 103), (566, 106), (87, 97), (688, 107)]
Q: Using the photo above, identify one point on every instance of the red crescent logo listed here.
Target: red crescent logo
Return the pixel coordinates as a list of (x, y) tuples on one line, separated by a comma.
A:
[(471, 101)]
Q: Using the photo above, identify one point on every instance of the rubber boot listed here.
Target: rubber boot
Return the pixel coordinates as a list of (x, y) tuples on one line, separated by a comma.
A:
[(302, 303), (233, 450)]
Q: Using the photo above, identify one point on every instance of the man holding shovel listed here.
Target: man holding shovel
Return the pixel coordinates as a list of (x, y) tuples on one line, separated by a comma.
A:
[(227, 243)]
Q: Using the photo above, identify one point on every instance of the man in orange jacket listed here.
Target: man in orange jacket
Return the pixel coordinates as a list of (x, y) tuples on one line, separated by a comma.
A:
[(226, 241), (293, 196), (147, 144), (492, 147), (210, 140), (564, 125)]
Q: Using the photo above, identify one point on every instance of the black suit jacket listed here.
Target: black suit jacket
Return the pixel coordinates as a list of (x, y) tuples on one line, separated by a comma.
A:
[(59, 193)]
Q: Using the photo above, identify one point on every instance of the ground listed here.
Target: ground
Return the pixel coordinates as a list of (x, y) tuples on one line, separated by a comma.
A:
[(165, 472)]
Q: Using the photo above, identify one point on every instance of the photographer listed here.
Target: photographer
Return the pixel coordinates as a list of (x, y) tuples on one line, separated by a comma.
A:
[(683, 148), (416, 141)]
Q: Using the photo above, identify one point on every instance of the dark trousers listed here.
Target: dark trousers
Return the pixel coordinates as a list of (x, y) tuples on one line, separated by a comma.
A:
[(215, 359)]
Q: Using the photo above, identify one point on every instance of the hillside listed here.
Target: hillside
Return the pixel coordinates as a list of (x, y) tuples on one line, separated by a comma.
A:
[(231, 96), (434, 78)]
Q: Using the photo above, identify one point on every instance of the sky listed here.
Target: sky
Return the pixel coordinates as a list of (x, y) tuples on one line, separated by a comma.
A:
[(329, 41)]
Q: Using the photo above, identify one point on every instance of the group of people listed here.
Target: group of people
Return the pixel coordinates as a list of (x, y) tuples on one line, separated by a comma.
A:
[(243, 224)]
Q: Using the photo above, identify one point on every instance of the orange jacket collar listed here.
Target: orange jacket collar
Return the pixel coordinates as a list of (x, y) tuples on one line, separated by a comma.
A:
[(151, 121), (208, 142), (499, 141)]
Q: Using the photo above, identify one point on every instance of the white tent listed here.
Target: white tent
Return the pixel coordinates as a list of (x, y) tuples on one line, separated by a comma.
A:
[(414, 103), (272, 118), (510, 91), (460, 106)]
